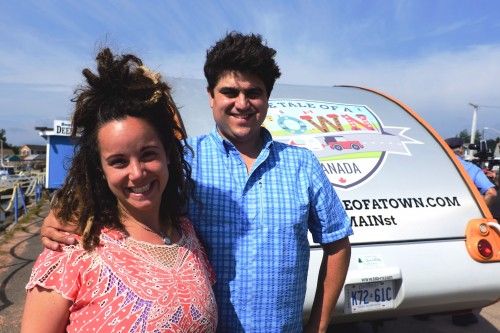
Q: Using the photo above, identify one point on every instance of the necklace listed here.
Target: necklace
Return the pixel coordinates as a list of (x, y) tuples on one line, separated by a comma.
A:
[(166, 238)]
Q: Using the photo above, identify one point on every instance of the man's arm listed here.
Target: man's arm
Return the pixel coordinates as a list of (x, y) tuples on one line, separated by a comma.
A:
[(332, 273), (53, 232), (490, 195)]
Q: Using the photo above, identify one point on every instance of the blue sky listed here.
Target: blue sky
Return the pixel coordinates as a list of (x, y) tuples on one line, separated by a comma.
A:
[(435, 56)]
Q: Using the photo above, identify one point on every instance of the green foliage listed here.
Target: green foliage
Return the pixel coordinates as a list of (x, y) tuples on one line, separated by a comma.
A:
[(5, 143), (464, 134), (490, 143)]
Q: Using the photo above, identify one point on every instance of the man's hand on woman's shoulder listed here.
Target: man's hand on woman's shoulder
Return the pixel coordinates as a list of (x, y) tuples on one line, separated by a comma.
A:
[(54, 233)]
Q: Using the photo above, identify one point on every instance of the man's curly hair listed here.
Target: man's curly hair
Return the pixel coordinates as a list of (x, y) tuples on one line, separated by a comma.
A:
[(122, 87), (244, 54)]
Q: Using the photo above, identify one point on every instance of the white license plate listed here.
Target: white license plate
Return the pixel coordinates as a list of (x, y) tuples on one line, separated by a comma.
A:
[(369, 296)]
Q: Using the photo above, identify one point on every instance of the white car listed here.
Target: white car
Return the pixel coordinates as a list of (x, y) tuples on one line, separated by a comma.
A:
[(424, 240)]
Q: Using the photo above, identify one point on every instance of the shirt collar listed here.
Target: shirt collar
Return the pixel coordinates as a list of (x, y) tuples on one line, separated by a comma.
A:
[(225, 146)]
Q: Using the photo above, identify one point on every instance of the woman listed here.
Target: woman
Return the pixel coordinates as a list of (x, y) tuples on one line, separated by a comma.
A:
[(138, 266)]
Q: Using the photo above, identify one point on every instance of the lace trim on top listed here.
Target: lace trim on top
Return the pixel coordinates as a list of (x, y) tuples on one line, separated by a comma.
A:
[(165, 254)]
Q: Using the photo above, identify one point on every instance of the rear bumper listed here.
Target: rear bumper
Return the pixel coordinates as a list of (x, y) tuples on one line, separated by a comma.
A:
[(430, 277)]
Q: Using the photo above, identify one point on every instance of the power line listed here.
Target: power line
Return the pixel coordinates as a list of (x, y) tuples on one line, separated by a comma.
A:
[(488, 106)]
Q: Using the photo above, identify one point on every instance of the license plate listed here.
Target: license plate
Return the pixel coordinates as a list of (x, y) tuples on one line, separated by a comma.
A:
[(371, 296)]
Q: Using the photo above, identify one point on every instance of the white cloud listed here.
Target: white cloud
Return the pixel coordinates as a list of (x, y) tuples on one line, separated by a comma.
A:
[(376, 44), (438, 86)]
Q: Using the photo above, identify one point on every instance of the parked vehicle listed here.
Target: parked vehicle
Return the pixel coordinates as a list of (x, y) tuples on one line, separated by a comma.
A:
[(424, 241)]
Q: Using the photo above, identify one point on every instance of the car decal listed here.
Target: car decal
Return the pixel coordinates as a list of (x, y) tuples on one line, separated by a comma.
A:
[(350, 141)]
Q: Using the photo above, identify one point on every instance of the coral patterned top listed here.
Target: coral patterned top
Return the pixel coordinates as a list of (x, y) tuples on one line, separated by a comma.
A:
[(126, 285)]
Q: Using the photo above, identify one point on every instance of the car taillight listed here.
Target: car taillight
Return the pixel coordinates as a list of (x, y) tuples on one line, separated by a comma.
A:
[(485, 248)]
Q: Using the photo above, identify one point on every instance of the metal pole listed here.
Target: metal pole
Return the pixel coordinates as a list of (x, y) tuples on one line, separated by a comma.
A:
[(23, 200), (474, 117), (38, 193), (473, 130), (1, 152), (16, 205)]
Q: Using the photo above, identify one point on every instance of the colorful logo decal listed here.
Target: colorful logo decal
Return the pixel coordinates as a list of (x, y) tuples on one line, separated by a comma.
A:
[(349, 140)]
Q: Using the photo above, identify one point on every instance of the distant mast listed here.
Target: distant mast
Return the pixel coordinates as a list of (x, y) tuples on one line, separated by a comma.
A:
[(1, 153)]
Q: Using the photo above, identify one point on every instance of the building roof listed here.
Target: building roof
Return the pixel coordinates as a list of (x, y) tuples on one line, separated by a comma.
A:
[(11, 158), (35, 157), (35, 147)]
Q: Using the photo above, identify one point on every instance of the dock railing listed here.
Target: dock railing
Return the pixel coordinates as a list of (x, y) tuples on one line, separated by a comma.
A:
[(15, 192)]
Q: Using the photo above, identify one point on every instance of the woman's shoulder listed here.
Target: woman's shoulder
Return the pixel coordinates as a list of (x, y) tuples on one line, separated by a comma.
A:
[(66, 251), (77, 253), (112, 235), (186, 224), (57, 270)]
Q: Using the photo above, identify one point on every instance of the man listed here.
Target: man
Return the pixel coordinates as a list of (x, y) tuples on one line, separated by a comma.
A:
[(483, 184), (255, 200), (489, 193)]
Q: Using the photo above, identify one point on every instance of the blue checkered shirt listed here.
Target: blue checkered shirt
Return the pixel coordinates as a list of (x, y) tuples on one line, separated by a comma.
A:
[(255, 226)]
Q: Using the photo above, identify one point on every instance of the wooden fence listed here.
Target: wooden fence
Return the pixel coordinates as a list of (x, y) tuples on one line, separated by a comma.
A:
[(15, 191)]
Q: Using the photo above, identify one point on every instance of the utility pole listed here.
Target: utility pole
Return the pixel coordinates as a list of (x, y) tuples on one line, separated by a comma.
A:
[(473, 130), (474, 119), (1, 152)]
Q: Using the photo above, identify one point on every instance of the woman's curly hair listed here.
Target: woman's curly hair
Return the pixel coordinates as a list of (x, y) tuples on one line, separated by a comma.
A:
[(122, 87)]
